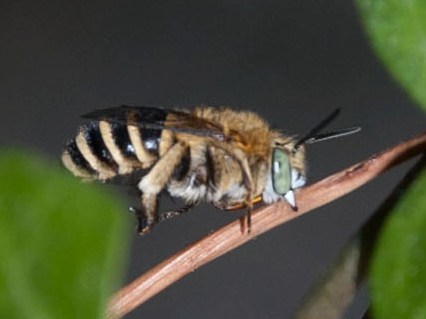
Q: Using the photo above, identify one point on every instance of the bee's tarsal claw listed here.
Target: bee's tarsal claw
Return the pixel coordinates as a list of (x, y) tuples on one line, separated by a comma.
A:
[(290, 199), (144, 225)]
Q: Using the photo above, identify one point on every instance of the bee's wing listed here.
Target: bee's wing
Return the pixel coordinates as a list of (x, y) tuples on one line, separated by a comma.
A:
[(156, 118)]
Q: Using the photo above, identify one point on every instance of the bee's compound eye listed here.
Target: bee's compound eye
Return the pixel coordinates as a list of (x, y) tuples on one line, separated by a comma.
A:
[(281, 171)]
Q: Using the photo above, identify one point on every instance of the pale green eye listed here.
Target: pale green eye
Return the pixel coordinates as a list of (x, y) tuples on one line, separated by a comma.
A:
[(281, 172)]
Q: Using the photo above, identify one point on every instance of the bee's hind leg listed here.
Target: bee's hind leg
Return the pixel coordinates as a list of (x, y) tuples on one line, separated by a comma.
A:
[(154, 182), (139, 213), (146, 214)]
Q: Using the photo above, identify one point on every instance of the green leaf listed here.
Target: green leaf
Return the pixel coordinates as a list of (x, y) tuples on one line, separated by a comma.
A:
[(397, 30), (62, 243), (398, 272)]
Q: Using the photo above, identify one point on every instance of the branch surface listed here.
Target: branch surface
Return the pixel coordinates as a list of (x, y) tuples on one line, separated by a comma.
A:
[(338, 287), (265, 218)]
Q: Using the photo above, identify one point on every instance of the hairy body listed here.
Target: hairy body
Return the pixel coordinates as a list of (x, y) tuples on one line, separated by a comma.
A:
[(219, 155)]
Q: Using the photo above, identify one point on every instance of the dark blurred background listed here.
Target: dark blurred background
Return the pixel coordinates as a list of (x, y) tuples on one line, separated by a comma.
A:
[(291, 61)]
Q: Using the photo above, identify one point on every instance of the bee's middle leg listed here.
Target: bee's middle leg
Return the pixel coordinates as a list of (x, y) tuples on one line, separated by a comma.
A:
[(154, 182), (176, 212)]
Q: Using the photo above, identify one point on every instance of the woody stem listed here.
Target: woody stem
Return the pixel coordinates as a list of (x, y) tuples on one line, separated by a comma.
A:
[(263, 219)]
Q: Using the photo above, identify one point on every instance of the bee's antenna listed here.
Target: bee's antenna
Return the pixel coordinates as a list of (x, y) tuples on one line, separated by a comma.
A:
[(337, 133), (312, 133)]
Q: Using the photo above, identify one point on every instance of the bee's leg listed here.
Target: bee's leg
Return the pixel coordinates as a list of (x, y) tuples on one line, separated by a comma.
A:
[(149, 216), (154, 182), (241, 158), (143, 225), (248, 183), (249, 210), (177, 212)]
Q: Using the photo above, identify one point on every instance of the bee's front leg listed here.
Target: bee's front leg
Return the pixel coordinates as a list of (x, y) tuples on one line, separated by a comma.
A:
[(241, 158), (248, 183)]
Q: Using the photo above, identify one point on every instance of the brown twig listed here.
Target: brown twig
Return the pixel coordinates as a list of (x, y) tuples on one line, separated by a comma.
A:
[(337, 288), (229, 237)]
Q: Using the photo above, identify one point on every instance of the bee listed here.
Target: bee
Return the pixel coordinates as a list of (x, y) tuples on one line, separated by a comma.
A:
[(231, 159)]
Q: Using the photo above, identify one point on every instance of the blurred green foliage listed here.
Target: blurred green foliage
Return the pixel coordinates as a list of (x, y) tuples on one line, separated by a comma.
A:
[(62, 243), (397, 30), (398, 274)]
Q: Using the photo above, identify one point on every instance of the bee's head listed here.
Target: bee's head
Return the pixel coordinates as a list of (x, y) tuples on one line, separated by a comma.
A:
[(287, 165), (287, 160), (287, 170)]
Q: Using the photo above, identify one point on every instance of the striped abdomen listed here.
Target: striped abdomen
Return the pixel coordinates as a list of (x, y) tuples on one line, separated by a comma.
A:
[(104, 149)]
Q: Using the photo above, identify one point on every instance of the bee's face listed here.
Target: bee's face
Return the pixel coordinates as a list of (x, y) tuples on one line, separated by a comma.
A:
[(287, 172), (284, 176)]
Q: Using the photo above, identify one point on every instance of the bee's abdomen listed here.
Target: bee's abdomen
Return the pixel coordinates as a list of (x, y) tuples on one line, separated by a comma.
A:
[(75, 162), (104, 149), (87, 155)]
